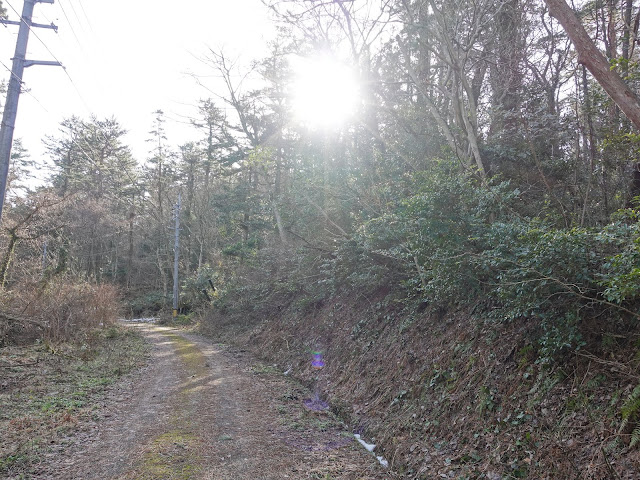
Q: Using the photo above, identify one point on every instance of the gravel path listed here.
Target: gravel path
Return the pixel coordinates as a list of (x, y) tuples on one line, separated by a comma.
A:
[(203, 411)]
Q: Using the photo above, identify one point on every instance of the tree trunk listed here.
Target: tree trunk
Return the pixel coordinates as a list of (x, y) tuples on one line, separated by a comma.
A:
[(595, 61), (589, 142), (626, 36), (281, 232), (132, 215), (8, 256)]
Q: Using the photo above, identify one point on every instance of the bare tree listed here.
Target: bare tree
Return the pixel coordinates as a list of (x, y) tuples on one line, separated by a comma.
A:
[(29, 220), (445, 46)]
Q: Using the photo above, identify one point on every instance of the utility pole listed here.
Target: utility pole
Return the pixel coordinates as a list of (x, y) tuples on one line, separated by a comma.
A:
[(13, 90), (176, 258)]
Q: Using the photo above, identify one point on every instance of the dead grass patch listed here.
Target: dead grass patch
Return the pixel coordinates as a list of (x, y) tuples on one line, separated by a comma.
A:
[(56, 312), (47, 390)]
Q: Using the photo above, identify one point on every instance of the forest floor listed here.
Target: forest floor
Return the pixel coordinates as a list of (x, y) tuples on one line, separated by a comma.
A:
[(199, 410)]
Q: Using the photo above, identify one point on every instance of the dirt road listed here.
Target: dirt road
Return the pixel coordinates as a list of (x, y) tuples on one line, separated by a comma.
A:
[(203, 411)]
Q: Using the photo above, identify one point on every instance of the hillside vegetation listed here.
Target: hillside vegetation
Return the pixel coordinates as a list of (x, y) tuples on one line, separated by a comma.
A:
[(512, 352)]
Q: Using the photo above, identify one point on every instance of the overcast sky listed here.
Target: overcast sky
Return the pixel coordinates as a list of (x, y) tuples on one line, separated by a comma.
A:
[(126, 58)]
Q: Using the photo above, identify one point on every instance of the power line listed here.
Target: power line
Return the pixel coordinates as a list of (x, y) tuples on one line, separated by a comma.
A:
[(86, 105), (14, 89), (47, 48), (84, 12), (64, 12), (41, 14), (80, 96), (28, 92), (71, 80), (11, 6), (92, 161), (54, 56), (11, 72), (75, 13), (88, 108), (99, 131)]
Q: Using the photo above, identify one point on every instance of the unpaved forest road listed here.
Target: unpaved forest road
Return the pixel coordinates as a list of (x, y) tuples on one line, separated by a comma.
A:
[(200, 411)]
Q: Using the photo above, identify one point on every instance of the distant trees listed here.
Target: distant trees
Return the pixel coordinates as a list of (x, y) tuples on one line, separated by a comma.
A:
[(91, 159), (30, 220), (95, 170)]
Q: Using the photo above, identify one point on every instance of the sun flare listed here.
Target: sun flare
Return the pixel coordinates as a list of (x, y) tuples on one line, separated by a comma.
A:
[(325, 92)]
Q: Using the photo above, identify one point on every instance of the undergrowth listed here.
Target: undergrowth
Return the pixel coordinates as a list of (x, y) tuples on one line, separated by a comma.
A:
[(456, 245), (630, 412), (56, 311)]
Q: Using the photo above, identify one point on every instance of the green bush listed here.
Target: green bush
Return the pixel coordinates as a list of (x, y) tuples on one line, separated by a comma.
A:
[(448, 241), (200, 288), (148, 304), (455, 242), (440, 229), (620, 275), (359, 265), (538, 269)]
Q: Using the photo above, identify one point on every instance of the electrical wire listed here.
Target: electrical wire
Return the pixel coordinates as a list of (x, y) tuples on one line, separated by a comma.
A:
[(82, 99), (64, 12), (73, 31), (92, 161), (51, 53), (24, 89), (100, 132), (75, 12), (73, 83), (84, 12), (49, 22), (11, 72)]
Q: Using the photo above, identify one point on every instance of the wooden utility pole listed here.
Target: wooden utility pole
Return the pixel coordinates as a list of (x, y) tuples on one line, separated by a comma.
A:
[(176, 259), (13, 90)]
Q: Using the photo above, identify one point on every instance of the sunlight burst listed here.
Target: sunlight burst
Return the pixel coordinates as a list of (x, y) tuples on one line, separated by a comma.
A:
[(325, 92)]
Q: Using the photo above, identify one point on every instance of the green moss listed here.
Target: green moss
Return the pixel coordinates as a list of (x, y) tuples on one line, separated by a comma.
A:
[(188, 352), (172, 456), (262, 369)]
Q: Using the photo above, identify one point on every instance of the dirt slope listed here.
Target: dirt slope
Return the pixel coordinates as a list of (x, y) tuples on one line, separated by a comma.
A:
[(201, 411), (447, 395)]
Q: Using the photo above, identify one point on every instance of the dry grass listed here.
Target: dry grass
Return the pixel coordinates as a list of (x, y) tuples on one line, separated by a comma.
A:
[(60, 311)]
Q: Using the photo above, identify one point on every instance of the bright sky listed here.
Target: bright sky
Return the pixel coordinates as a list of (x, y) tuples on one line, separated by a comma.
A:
[(127, 58)]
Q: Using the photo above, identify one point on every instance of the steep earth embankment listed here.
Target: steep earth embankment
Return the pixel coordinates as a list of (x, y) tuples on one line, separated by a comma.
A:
[(450, 396)]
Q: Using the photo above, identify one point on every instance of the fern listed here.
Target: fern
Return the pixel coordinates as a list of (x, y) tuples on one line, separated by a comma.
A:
[(630, 411), (635, 437)]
